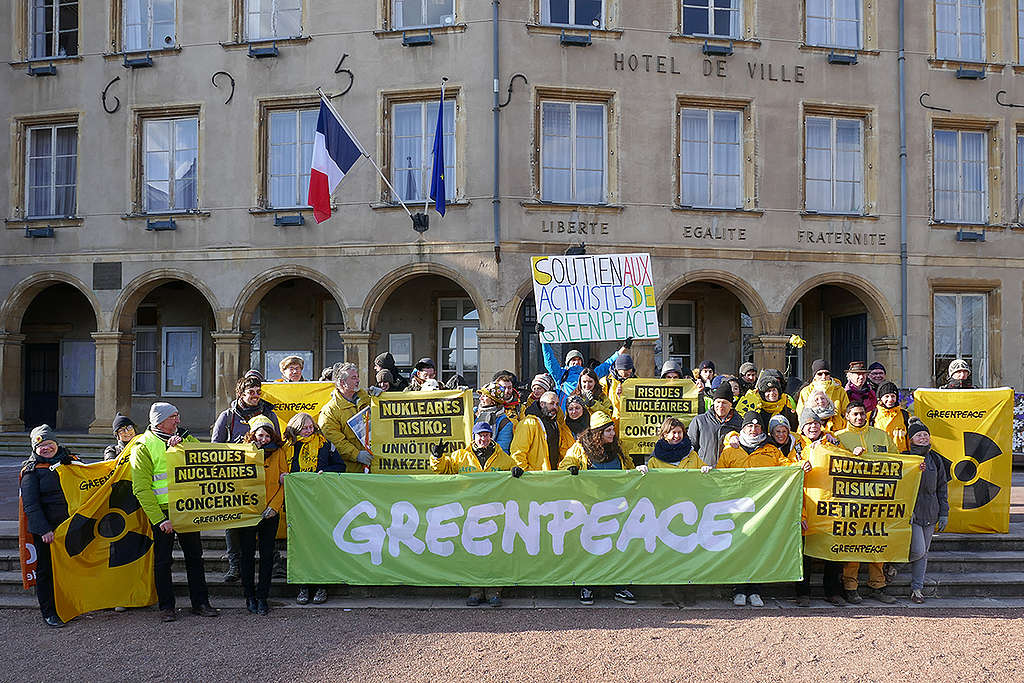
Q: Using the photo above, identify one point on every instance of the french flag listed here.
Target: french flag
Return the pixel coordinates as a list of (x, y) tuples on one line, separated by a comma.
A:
[(335, 151)]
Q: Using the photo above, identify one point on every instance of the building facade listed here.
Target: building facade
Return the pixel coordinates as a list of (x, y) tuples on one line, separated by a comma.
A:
[(158, 241)]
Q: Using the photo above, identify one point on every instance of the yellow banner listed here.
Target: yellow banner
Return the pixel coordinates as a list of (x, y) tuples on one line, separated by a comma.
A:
[(102, 555), (858, 509), (972, 429), (404, 426), (289, 398), (646, 403), (215, 486)]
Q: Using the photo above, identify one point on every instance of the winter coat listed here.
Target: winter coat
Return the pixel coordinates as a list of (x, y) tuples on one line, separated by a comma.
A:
[(387, 362), (327, 458), (567, 378), (690, 462), (113, 450), (765, 455), (932, 495), (706, 432), (894, 422), (41, 495), (865, 395), (233, 424), (530, 442), (504, 428), (610, 385), (275, 464), (464, 460), (834, 390), (333, 421), (577, 457), (873, 440)]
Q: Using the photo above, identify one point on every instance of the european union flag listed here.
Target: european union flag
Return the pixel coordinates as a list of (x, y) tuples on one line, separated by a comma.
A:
[(437, 191)]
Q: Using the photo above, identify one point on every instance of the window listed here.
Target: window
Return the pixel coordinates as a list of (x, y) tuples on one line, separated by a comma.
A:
[(272, 362), (148, 24), (290, 150), (1020, 31), (412, 148), (334, 345), (51, 171), (270, 19), (961, 176), (960, 29), (721, 18), (53, 28), (256, 343), (573, 152), (182, 363), (834, 165), (1018, 208), (421, 13), (678, 334), (77, 368), (834, 23), (579, 13), (711, 158), (171, 159), (458, 349), (146, 358), (960, 331)]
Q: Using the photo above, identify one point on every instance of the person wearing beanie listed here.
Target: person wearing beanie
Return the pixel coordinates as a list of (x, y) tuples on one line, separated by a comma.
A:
[(577, 415), (876, 375), (779, 436), (705, 378), (422, 371), (857, 386), (889, 416), (611, 384), (768, 399), (149, 484), (291, 369), (567, 377), (931, 509), (747, 376), (707, 431), (124, 431), (44, 508), (541, 438), (590, 391), (671, 369), (674, 450), (491, 409), (959, 375), (822, 380), (541, 383), (385, 380), (386, 361), (598, 448)]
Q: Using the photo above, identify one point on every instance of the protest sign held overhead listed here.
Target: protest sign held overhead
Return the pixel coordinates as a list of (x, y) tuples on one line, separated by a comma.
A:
[(215, 486), (646, 403), (972, 430), (858, 509), (404, 426), (289, 398), (595, 298)]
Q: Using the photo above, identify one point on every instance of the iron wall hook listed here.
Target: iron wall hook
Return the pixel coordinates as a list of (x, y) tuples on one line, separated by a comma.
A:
[(510, 83), (213, 79), (1007, 104), (929, 106), (351, 77), (103, 97)]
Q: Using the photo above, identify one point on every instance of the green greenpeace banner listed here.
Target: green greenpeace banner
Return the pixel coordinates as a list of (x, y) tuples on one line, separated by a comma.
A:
[(550, 528)]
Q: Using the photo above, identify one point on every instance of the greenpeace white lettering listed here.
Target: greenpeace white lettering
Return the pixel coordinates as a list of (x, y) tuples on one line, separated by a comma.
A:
[(606, 525)]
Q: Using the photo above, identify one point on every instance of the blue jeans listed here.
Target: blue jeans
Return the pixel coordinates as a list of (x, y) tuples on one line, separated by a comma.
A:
[(920, 541)]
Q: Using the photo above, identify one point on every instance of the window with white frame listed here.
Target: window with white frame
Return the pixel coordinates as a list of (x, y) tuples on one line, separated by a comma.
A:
[(182, 361), (961, 176), (834, 23), (711, 158), (256, 343), (578, 13), (290, 151), (413, 125), (1020, 31), (719, 18), (834, 164), (458, 348), (960, 29), (51, 170), (270, 19), (170, 160), (422, 13), (53, 28), (146, 361), (573, 152), (678, 333), (333, 343), (1018, 207), (960, 330), (148, 24)]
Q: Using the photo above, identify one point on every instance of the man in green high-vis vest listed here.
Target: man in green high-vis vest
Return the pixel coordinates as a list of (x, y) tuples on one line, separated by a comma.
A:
[(149, 484)]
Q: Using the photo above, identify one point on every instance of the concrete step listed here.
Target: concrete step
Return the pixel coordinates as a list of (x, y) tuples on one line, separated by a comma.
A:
[(214, 560)]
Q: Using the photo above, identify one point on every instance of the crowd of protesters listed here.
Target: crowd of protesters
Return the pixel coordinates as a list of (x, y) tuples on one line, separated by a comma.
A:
[(564, 419)]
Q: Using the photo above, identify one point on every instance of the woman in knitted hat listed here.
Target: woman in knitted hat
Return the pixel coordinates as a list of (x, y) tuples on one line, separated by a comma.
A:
[(44, 508), (124, 431), (768, 399), (598, 449), (540, 384), (491, 409), (589, 389), (577, 416), (931, 510), (959, 375), (890, 416)]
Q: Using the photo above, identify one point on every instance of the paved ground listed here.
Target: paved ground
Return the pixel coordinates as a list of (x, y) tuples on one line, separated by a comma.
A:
[(522, 645)]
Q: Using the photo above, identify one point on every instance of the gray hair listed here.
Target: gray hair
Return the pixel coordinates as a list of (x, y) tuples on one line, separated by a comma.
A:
[(342, 371)]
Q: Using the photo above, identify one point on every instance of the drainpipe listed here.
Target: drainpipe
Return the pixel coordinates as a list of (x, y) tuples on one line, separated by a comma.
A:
[(904, 324), (495, 197)]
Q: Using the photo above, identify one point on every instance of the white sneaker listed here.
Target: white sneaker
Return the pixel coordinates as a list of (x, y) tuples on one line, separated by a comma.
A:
[(740, 599), (756, 601)]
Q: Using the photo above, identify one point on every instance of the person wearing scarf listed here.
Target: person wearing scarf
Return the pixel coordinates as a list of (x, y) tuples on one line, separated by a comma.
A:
[(822, 380), (890, 417), (621, 370), (779, 436), (492, 411), (43, 507), (541, 383), (825, 410), (673, 449), (931, 510), (857, 386), (589, 389), (124, 431), (769, 400), (541, 437), (577, 416), (263, 436)]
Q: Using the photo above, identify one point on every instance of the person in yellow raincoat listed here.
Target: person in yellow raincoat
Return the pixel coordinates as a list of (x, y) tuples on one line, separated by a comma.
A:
[(673, 449), (261, 536), (622, 369), (541, 438), (346, 400), (890, 417), (823, 381)]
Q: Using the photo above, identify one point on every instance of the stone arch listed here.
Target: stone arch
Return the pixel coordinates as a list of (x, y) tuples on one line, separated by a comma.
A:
[(137, 290), (515, 305), (741, 289), (254, 291), (870, 296), (380, 292), (21, 296)]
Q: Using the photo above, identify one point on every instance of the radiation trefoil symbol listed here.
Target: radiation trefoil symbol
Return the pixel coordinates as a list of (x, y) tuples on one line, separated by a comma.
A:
[(978, 449), (125, 546)]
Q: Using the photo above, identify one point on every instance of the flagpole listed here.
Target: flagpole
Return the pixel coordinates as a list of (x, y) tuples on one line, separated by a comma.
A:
[(444, 79), (326, 100)]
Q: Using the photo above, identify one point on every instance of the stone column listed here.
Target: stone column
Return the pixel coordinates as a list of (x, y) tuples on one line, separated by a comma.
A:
[(643, 358), (113, 378), (231, 359), (12, 387), (770, 352), (887, 352), (359, 349), (497, 352)]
